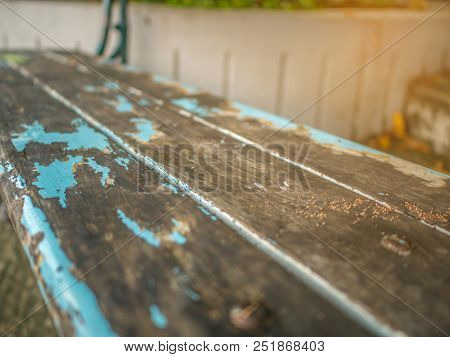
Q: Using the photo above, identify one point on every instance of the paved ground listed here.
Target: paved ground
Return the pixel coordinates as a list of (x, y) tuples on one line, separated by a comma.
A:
[(19, 294)]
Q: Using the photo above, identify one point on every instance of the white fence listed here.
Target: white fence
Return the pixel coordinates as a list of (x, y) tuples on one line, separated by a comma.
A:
[(277, 61)]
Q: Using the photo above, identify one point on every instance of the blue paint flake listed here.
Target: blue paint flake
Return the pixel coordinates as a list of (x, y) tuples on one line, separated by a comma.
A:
[(190, 89), (159, 78), (56, 178), (144, 129), (100, 169), (191, 105), (171, 187), (72, 296), (329, 139), (18, 181), (9, 167), (84, 137), (122, 161), (157, 317), (144, 234), (144, 102), (434, 172), (123, 104), (279, 122), (192, 294), (111, 85), (6, 167), (207, 213), (176, 236)]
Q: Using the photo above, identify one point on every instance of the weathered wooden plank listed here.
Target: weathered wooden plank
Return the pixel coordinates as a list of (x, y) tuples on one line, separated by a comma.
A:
[(76, 198), (391, 264), (411, 189)]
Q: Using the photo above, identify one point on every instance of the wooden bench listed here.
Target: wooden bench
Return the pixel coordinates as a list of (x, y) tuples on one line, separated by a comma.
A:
[(130, 235)]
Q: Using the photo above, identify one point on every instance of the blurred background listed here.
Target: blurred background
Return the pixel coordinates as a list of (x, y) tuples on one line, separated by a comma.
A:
[(277, 55)]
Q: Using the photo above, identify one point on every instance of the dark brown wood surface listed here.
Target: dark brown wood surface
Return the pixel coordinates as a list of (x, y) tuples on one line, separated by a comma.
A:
[(376, 263), (196, 285)]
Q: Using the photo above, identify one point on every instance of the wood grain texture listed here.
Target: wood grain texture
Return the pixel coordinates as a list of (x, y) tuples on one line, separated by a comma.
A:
[(384, 261), (183, 273)]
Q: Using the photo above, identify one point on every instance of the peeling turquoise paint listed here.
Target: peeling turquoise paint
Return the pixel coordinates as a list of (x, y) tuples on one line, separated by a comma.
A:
[(190, 89), (56, 178), (279, 122), (100, 169), (157, 317), (191, 105), (144, 102), (324, 138), (438, 173), (144, 234), (144, 129), (192, 294), (207, 213), (8, 166), (18, 181), (123, 104), (122, 161), (176, 236), (84, 137), (171, 187), (108, 85), (111, 85), (159, 78), (73, 297)]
